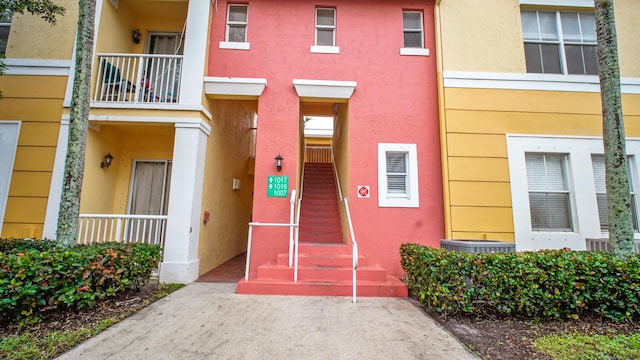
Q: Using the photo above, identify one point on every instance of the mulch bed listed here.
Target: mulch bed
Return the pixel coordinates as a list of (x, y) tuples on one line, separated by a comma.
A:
[(120, 306), (513, 338)]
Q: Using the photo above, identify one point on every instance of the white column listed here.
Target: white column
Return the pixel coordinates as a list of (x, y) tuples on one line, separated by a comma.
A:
[(180, 263), (195, 51), (55, 186)]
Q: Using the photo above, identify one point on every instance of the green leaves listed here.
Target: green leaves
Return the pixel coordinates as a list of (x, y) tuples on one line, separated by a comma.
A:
[(548, 283), (41, 274)]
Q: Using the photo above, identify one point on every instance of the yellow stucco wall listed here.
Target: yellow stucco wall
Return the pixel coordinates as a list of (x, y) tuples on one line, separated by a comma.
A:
[(117, 25), (341, 156), (31, 37), (37, 102), (106, 190), (487, 36), (225, 234), (477, 121)]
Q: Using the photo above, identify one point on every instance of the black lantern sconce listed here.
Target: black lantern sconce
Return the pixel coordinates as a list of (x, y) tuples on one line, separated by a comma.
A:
[(278, 160), (108, 159), (136, 36)]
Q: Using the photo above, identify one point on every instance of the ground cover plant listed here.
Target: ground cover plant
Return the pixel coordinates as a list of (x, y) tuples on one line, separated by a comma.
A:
[(484, 311), (41, 275), (53, 297), (556, 284)]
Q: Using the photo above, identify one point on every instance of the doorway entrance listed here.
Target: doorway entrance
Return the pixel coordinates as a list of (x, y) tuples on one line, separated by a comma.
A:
[(161, 80)]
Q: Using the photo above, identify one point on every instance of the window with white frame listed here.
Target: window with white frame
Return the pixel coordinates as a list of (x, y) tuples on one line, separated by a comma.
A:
[(597, 161), (559, 42), (5, 26), (325, 27), (237, 21), (397, 175), (557, 190), (549, 196), (412, 29)]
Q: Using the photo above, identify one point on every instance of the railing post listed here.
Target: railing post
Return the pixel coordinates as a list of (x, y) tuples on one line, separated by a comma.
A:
[(246, 268), (291, 219)]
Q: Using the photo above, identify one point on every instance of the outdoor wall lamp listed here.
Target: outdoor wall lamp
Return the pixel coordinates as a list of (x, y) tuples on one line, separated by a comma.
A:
[(108, 159), (136, 36), (278, 160)]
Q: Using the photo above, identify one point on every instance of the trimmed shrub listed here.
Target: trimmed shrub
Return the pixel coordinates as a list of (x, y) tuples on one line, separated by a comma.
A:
[(37, 275), (545, 284)]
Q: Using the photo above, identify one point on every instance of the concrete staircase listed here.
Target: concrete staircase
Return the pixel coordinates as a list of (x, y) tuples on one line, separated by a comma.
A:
[(324, 261)]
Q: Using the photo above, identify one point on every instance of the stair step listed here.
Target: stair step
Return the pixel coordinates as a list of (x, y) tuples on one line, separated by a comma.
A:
[(320, 260), (320, 273), (325, 249), (320, 237), (391, 287), (321, 229)]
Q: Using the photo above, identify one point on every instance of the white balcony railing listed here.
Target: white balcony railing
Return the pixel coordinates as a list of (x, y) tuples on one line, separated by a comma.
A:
[(102, 228), (145, 78)]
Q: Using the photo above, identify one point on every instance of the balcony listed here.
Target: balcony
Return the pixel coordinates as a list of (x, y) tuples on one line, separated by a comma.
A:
[(138, 79)]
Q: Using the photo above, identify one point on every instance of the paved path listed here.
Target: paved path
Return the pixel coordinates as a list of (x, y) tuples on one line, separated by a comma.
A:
[(210, 321)]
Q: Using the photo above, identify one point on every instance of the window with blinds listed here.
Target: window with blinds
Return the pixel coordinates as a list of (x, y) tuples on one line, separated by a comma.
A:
[(597, 160), (549, 195), (397, 173)]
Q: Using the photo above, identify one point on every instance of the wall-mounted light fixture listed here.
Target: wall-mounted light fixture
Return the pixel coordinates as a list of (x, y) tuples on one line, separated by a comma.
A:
[(108, 159), (278, 160), (136, 36)]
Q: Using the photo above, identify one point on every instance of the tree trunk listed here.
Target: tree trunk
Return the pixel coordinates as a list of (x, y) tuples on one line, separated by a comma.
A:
[(78, 123), (617, 177)]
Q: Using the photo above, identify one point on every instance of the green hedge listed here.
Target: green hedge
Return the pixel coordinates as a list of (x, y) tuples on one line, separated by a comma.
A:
[(37, 275), (545, 284)]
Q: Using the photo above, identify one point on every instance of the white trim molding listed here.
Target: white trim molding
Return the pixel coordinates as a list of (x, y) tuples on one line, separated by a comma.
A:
[(558, 3), (178, 121), (320, 49), (409, 200), (41, 67), (195, 52), (234, 45), (55, 186), (328, 89), (581, 186), (220, 87), (522, 81), (414, 51), (8, 138)]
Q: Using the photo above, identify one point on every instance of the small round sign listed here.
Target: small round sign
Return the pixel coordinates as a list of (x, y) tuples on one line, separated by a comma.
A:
[(363, 192)]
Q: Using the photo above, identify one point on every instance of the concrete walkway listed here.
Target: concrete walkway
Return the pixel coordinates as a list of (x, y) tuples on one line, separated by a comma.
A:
[(210, 321)]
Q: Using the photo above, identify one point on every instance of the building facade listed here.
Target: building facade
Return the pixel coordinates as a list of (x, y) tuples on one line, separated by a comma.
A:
[(190, 103), (521, 123)]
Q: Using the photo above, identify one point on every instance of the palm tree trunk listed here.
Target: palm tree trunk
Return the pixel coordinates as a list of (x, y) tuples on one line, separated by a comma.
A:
[(78, 123), (617, 177)]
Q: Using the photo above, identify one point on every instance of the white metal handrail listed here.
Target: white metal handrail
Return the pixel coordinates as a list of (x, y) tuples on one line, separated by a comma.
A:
[(354, 243), (291, 225), (296, 245), (101, 228), (138, 78)]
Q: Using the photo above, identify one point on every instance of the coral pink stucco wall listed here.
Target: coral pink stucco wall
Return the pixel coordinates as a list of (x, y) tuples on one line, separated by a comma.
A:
[(395, 101)]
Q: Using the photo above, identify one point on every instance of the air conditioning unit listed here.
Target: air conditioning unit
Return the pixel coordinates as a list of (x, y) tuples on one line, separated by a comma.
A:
[(477, 246)]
